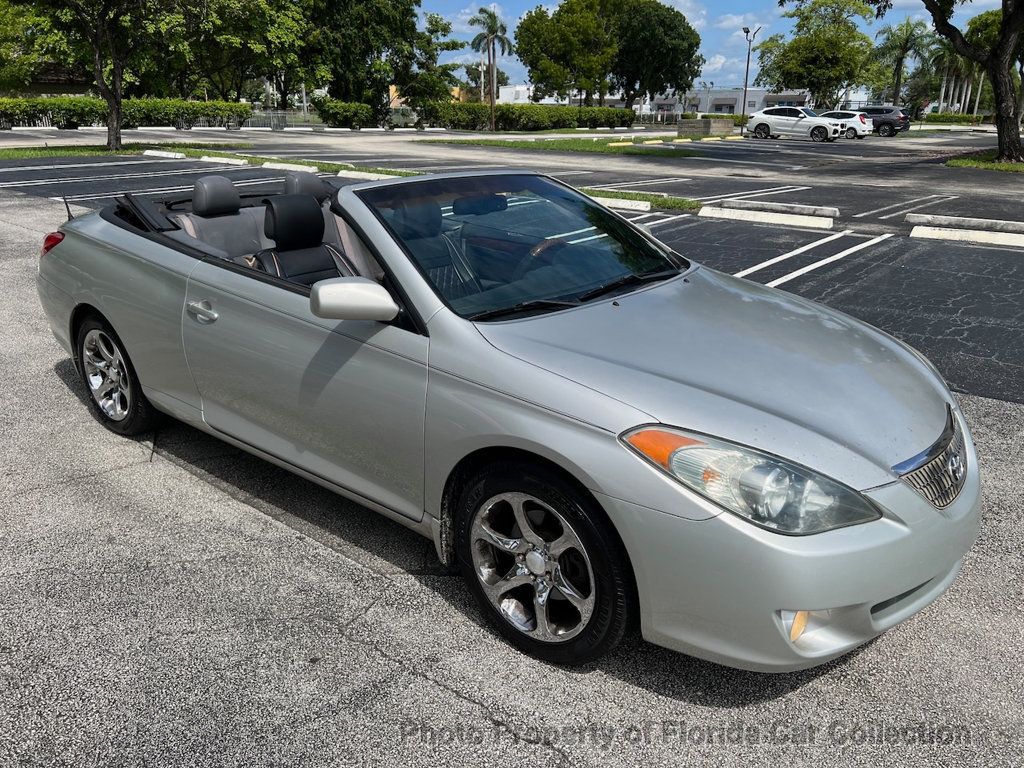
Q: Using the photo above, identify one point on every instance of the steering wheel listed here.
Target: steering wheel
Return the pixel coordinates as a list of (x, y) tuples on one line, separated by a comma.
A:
[(542, 253)]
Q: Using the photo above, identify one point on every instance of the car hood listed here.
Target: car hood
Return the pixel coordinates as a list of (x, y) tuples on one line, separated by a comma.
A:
[(758, 366)]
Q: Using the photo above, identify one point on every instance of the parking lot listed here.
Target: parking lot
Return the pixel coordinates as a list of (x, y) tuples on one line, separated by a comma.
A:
[(175, 600)]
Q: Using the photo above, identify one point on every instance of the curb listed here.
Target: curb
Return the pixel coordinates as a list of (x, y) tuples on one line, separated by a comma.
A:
[(621, 204), (367, 175), (766, 217), (962, 222), (222, 160), (803, 210), (164, 154), (620, 143), (289, 167), (982, 237)]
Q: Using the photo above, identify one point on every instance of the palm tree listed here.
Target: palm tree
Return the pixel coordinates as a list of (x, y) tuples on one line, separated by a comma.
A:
[(493, 36), (943, 56), (907, 40)]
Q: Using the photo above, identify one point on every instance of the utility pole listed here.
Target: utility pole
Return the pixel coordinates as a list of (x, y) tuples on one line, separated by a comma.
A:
[(746, 73)]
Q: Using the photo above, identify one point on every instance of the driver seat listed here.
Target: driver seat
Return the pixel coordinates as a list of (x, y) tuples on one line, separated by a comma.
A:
[(295, 223)]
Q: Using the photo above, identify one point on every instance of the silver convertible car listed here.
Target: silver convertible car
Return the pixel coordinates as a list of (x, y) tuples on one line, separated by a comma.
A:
[(599, 432)]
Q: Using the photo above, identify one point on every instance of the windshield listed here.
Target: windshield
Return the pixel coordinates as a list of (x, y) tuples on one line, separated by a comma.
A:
[(809, 112), (504, 245)]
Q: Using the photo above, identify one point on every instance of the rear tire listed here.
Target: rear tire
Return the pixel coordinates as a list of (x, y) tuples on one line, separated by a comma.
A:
[(763, 131), (851, 133), (886, 130), (115, 395), (543, 563)]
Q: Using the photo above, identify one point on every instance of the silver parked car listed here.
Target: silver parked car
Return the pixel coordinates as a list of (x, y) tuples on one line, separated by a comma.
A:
[(597, 430)]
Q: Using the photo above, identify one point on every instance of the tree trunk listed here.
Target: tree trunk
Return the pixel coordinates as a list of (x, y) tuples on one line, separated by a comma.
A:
[(897, 79), (977, 96), (491, 78), (962, 96), (967, 95), (1003, 91), (942, 90)]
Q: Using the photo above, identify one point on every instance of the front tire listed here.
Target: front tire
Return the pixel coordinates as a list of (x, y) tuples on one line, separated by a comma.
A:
[(543, 563), (115, 396)]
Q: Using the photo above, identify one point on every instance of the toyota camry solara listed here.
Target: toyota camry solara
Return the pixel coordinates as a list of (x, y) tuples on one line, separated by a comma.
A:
[(598, 431)]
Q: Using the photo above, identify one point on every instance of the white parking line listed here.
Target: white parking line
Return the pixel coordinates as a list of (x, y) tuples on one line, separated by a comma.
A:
[(585, 239), (828, 260), (922, 205), (790, 254), (644, 183), (114, 177), (20, 168), (752, 193), (668, 219), (155, 190), (566, 234), (894, 205)]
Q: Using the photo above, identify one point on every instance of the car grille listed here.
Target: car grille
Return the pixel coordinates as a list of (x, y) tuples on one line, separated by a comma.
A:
[(940, 479)]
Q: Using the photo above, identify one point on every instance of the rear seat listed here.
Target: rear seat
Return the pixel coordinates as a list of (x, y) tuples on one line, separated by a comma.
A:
[(219, 221)]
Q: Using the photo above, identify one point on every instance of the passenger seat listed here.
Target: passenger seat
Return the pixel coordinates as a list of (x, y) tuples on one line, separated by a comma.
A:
[(218, 219), (296, 224), (306, 183)]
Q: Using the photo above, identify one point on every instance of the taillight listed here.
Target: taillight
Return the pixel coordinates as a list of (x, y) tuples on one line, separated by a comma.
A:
[(862, 119), (52, 239)]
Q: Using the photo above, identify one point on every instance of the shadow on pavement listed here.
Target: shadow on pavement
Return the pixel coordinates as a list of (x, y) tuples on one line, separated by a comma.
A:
[(387, 547)]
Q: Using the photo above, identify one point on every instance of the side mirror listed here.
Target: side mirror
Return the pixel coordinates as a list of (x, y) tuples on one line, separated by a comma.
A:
[(351, 298)]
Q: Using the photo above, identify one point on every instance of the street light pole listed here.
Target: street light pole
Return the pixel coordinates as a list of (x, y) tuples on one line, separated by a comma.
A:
[(746, 74)]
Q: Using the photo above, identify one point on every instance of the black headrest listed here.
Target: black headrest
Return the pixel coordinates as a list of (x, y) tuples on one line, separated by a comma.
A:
[(306, 183), (412, 222), (214, 196), (294, 222)]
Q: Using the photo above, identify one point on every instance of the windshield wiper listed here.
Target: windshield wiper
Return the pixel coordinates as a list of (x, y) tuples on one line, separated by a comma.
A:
[(626, 280), (523, 306)]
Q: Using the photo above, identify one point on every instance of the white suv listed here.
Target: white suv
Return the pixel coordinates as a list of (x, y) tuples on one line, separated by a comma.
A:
[(794, 121)]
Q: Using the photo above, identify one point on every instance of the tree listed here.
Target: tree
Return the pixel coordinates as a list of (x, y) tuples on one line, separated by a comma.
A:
[(907, 40), (998, 60), (657, 50), (422, 80), (572, 49), (493, 35), (472, 83), (827, 54), (362, 43), (983, 32), (24, 45), (117, 35)]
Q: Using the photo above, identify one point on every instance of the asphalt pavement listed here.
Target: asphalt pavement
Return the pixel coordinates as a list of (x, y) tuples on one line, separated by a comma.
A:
[(172, 600)]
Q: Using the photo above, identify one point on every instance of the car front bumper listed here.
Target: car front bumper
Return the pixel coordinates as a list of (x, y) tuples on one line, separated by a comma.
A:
[(721, 589)]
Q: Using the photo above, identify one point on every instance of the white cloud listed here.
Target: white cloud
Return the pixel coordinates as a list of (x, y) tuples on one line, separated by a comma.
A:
[(694, 12), (737, 21), (460, 24)]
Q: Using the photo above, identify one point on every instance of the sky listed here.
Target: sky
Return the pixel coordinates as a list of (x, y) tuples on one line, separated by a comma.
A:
[(719, 23)]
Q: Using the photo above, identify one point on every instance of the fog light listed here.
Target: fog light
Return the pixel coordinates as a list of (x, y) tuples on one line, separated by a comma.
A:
[(798, 626)]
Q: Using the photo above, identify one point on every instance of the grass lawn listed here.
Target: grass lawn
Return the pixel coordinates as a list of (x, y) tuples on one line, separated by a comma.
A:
[(77, 150), (600, 146), (189, 149), (656, 201), (986, 161)]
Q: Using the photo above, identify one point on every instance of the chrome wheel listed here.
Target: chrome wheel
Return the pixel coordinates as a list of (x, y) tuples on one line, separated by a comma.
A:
[(106, 375), (532, 566), (819, 134), (851, 133), (762, 131)]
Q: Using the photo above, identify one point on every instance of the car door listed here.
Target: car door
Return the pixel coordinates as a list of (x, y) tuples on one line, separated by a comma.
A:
[(343, 400)]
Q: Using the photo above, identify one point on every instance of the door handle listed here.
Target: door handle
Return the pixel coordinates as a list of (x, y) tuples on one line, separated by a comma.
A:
[(201, 311)]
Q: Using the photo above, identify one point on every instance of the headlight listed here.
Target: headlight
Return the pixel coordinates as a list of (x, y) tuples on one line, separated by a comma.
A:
[(764, 489)]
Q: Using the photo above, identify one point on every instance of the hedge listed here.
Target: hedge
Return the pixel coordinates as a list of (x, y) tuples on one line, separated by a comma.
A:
[(950, 117), (344, 114), (737, 120), (75, 111), (524, 117)]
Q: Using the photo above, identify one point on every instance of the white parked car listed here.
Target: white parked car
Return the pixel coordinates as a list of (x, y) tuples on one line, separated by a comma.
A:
[(858, 124), (794, 121)]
